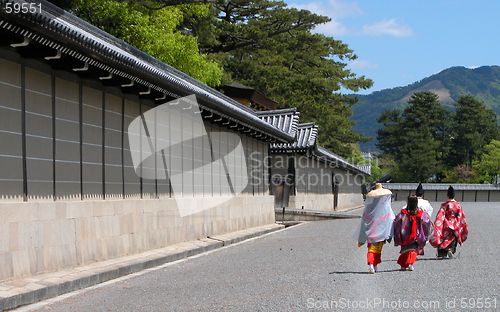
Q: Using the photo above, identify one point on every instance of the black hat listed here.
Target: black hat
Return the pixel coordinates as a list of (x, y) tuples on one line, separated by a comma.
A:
[(451, 192), (420, 190)]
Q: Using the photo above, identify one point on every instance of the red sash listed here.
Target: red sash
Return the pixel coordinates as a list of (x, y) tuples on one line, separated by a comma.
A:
[(413, 219)]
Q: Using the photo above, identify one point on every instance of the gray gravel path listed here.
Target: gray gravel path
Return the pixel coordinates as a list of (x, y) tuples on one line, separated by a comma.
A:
[(315, 266)]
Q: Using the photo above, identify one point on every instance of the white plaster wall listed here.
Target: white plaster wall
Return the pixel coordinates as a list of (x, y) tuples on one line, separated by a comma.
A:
[(38, 237)]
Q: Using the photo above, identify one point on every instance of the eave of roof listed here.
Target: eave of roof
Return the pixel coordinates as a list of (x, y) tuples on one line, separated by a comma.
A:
[(287, 120), (70, 35), (327, 156), (306, 136)]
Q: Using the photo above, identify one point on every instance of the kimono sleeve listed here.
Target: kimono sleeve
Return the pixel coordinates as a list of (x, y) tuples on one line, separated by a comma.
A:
[(463, 228), (437, 237), (397, 224)]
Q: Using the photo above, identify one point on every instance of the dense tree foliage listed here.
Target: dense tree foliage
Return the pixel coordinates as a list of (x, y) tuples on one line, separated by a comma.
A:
[(428, 142), (459, 174), (474, 126), (297, 72), (152, 31), (488, 166)]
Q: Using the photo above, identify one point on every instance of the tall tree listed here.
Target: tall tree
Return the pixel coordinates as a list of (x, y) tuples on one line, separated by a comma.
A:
[(474, 126), (417, 137), (389, 138), (270, 47)]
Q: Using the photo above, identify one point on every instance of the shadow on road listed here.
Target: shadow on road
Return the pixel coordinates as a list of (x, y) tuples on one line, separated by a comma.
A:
[(418, 259)]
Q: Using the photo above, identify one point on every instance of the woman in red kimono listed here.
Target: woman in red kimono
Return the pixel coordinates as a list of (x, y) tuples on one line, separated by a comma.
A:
[(450, 227), (412, 228)]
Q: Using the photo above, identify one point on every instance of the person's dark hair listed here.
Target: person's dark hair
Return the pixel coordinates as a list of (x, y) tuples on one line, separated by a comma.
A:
[(420, 190), (451, 192), (412, 206)]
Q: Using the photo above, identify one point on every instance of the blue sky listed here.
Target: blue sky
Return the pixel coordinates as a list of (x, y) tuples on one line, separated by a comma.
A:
[(401, 42)]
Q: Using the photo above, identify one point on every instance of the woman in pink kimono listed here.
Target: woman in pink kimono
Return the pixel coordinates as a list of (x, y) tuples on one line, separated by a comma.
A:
[(412, 228), (450, 227)]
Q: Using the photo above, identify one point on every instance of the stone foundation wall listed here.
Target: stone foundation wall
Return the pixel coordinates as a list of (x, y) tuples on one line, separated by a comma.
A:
[(325, 202), (38, 237)]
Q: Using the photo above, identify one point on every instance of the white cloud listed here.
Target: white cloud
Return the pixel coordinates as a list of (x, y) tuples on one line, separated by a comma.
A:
[(332, 8), (385, 27), (332, 29), (338, 10), (473, 67), (335, 10), (361, 64)]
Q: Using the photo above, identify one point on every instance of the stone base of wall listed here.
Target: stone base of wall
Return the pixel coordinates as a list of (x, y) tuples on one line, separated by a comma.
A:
[(325, 202), (38, 237), (348, 201)]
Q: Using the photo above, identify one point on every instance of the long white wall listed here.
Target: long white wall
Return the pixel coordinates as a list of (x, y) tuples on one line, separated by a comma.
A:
[(70, 193)]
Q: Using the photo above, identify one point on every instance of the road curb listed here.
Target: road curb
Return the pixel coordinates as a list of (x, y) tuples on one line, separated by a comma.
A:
[(28, 290), (313, 215)]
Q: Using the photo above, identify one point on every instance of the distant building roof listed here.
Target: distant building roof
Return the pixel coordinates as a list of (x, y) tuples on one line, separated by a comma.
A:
[(441, 187), (306, 142), (249, 97)]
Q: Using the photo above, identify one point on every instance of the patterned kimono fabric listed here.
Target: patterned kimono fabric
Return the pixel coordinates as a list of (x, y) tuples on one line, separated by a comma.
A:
[(411, 232), (450, 228)]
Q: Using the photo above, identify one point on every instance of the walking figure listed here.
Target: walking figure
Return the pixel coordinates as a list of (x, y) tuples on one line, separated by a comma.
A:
[(412, 228), (451, 228), (423, 203), (376, 224)]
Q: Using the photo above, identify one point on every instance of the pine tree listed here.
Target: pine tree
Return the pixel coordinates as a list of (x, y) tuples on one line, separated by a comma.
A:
[(416, 138), (474, 126)]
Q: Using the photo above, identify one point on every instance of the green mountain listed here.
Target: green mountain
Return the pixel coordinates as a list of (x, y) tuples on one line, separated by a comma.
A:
[(482, 82)]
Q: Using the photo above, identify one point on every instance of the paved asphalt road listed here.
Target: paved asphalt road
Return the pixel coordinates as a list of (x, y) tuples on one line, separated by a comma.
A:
[(315, 266)]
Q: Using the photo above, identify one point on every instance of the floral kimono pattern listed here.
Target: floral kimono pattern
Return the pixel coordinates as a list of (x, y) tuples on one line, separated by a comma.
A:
[(450, 224)]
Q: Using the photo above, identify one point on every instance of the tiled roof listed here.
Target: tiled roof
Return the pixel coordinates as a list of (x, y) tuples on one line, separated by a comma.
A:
[(327, 156), (287, 120), (305, 138), (56, 29)]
